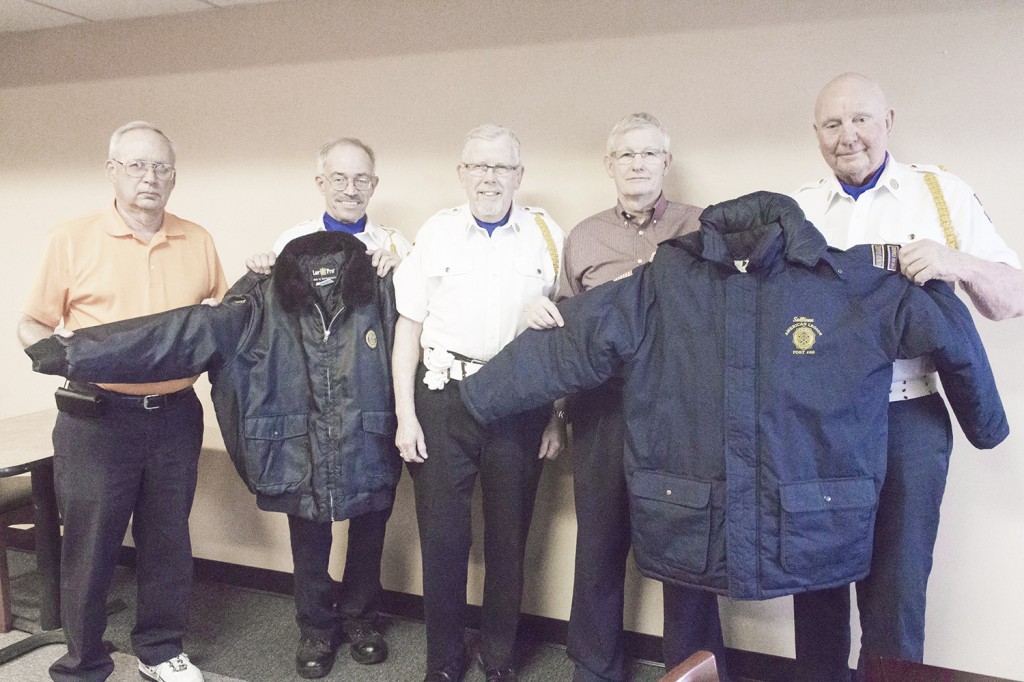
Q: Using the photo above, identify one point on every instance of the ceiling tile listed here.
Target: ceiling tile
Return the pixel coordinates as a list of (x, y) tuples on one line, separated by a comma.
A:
[(21, 15), (104, 10), (229, 3), (30, 15)]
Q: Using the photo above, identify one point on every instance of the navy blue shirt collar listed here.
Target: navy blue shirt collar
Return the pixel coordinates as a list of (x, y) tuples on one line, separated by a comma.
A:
[(333, 225), (855, 191)]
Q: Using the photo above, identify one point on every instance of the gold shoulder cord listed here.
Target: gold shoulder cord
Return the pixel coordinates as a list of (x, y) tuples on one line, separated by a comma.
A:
[(552, 249), (932, 181)]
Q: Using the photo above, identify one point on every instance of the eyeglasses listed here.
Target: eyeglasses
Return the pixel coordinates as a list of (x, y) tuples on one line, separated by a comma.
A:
[(647, 156), (340, 182), (479, 170), (136, 168)]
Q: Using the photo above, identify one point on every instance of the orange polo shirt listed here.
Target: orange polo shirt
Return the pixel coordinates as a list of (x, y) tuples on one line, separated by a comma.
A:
[(95, 270)]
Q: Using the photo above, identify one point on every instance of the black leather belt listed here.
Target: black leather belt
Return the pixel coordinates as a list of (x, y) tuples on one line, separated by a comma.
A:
[(124, 401)]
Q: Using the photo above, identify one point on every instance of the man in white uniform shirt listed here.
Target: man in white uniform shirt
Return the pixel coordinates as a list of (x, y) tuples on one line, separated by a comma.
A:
[(945, 233), (346, 177), (462, 295)]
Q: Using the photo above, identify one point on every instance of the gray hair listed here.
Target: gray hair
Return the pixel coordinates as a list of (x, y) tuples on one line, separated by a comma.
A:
[(321, 157), (493, 131), (636, 122), (115, 139)]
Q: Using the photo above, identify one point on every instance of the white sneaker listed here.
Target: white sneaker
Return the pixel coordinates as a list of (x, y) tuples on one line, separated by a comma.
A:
[(178, 669)]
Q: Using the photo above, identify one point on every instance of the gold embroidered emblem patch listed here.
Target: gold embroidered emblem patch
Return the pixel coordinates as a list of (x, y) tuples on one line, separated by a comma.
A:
[(804, 334), (371, 339)]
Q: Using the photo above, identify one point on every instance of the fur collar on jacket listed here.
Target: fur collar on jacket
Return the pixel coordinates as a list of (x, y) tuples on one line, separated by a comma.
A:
[(293, 271)]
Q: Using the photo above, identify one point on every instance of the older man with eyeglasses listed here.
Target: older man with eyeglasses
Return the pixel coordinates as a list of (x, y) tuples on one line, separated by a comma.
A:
[(346, 177), (462, 296), (126, 450), (606, 247)]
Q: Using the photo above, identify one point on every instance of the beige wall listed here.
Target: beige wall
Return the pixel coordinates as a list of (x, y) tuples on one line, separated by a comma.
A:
[(249, 93)]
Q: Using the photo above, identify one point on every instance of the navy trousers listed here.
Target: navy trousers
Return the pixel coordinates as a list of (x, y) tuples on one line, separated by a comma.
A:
[(504, 454), (320, 602), (892, 598), (595, 641), (107, 469), (821, 620)]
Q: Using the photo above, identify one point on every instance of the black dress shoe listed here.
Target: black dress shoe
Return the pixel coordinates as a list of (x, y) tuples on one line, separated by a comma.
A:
[(452, 672), (368, 645), (314, 657), (441, 676), (500, 674), (493, 673)]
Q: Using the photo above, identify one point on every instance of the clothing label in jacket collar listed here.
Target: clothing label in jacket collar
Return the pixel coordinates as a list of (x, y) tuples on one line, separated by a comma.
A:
[(324, 276), (804, 334)]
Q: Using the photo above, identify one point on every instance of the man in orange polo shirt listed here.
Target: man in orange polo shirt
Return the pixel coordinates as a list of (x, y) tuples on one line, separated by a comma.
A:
[(125, 449)]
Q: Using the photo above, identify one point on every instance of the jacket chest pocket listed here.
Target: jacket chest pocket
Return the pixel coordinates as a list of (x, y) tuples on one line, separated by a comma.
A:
[(671, 519), (277, 453), (826, 521)]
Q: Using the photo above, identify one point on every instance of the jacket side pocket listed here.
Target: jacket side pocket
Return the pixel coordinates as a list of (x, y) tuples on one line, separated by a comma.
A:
[(671, 519), (379, 437), (277, 453), (826, 521)]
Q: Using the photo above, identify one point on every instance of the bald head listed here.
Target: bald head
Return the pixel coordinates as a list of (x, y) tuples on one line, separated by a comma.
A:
[(852, 121), (849, 85)]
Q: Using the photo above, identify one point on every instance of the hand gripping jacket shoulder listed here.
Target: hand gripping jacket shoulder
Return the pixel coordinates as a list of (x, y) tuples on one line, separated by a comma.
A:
[(300, 367), (756, 364)]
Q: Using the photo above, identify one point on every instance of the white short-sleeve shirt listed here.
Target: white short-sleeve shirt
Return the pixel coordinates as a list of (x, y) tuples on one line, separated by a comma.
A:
[(900, 209), (470, 290)]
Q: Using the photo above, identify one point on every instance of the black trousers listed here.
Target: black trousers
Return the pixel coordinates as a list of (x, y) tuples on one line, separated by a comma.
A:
[(504, 454), (319, 601), (595, 641), (107, 469)]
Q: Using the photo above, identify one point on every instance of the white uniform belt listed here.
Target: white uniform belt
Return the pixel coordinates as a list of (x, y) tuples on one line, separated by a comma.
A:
[(917, 387), (460, 367)]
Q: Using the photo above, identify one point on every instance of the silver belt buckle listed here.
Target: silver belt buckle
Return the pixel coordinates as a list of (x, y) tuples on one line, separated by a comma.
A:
[(147, 406)]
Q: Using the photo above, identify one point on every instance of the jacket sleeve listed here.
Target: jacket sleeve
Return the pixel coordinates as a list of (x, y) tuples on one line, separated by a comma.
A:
[(603, 329), (932, 320), (175, 344), (387, 310)]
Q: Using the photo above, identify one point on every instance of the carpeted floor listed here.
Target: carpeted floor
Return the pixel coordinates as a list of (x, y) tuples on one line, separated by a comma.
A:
[(239, 634)]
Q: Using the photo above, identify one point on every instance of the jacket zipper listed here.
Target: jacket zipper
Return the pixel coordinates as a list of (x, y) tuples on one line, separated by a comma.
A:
[(323, 321), (327, 336), (757, 441)]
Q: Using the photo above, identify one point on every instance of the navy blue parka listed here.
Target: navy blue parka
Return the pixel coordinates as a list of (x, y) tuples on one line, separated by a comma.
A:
[(757, 364)]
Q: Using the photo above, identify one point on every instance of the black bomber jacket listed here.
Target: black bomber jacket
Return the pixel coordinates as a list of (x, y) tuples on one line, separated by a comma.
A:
[(300, 367)]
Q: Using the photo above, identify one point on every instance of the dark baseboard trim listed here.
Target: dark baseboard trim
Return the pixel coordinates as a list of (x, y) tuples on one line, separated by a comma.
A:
[(742, 664)]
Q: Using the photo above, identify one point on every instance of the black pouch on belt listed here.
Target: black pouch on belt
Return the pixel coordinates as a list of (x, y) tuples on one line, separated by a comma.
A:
[(79, 404)]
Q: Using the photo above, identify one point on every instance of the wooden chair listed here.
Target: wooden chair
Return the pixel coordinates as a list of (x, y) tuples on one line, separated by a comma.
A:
[(699, 667), (15, 507)]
